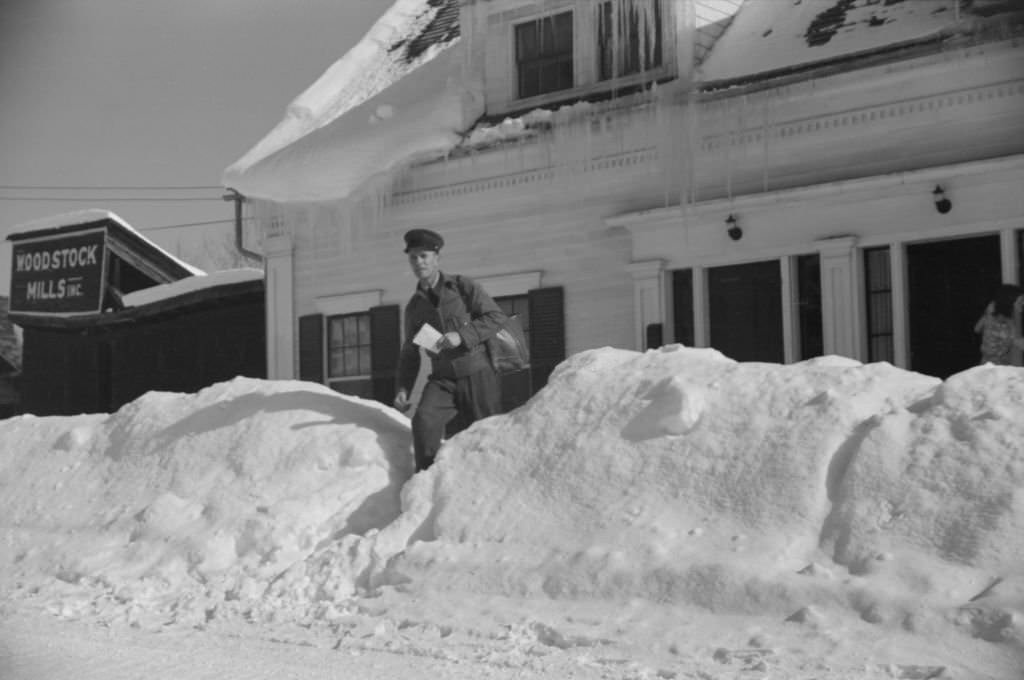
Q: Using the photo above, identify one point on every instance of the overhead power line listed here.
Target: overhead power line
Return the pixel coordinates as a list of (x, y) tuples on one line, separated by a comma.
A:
[(93, 199), (189, 224), (96, 187)]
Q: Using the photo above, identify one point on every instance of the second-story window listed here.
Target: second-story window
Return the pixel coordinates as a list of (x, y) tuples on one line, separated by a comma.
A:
[(628, 37), (544, 55)]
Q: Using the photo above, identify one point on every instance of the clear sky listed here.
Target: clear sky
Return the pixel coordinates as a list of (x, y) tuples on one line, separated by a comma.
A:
[(151, 93)]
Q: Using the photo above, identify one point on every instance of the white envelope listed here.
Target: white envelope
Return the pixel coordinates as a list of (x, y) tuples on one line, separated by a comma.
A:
[(427, 337)]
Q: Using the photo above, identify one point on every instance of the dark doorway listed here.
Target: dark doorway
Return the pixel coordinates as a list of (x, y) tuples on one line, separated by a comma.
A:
[(948, 285), (746, 311), (682, 306)]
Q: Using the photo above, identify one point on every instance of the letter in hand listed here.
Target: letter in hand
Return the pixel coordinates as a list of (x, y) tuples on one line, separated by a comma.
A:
[(449, 340), (402, 402)]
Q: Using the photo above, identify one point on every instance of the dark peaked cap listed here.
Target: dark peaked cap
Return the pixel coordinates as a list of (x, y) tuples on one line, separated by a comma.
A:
[(423, 238)]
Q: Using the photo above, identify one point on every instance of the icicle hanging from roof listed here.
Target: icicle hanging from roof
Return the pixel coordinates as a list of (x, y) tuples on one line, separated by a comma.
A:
[(688, 75)]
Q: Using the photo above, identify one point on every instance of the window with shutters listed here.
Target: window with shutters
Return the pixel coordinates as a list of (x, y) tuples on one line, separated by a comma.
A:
[(349, 354), (544, 55), (628, 38)]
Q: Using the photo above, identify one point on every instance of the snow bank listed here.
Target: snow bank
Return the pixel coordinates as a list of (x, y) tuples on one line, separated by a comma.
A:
[(636, 474), (177, 494), (943, 480), (674, 476)]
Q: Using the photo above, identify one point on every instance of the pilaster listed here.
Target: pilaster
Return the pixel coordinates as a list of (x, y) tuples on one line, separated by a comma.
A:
[(837, 281)]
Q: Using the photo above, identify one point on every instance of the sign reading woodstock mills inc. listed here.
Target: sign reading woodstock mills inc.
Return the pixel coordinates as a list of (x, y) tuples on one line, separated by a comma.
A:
[(58, 275)]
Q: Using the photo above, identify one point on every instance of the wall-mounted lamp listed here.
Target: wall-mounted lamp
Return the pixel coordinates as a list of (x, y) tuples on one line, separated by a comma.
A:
[(734, 231), (942, 204)]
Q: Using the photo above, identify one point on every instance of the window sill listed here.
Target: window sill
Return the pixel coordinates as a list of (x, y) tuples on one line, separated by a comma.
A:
[(596, 91)]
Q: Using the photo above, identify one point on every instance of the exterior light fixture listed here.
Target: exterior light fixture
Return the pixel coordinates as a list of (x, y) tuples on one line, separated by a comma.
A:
[(942, 204), (734, 231)]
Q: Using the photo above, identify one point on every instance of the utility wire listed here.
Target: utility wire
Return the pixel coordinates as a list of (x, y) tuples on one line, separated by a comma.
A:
[(148, 199), (189, 224), (59, 187)]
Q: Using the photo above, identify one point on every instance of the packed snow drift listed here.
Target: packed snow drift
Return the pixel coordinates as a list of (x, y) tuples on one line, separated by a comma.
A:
[(676, 483)]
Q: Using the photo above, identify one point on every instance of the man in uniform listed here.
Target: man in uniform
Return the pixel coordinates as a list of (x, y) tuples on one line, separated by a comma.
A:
[(463, 386)]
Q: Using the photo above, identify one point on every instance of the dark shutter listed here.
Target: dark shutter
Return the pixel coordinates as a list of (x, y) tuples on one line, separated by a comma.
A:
[(547, 333), (385, 334), (311, 348), (682, 306)]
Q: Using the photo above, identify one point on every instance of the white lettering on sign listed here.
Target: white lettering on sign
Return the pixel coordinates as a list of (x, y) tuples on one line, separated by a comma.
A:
[(64, 258), (51, 289)]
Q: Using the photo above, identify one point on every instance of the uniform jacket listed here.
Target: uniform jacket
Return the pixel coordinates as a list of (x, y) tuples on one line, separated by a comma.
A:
[(470, 311)]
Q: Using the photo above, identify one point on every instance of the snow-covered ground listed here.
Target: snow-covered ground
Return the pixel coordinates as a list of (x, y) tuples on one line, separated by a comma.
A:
[(668, 514)]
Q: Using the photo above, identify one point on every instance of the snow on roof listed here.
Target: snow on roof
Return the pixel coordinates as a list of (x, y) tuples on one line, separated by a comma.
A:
[(167, 291), (781, 34), (368, 84), (70, 219), (370, 113), (711, 18), (416, 117)]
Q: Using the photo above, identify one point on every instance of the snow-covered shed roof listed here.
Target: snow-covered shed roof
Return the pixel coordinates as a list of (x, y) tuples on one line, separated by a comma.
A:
[(72, 221), (174, 298), (192, 284), (365, 117)]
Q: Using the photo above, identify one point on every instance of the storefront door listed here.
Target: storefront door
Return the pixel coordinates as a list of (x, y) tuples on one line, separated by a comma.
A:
[(948, 285), (746, 311)]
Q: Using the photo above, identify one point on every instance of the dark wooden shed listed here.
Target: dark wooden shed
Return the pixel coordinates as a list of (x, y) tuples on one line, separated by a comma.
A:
[(10, 363), (141, 320)]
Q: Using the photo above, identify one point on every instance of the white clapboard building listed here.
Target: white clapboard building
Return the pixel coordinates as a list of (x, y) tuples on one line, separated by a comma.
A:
[(777, 179)]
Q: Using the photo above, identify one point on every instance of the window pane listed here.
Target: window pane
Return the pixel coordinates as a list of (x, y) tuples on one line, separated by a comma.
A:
[(351, 330), (544, 56), (351, 358), (563, 33), (526, 41), (364, 361), (334, 333), (629, 41), (336, 366), (364, 329), (564, 75), (529, 80)]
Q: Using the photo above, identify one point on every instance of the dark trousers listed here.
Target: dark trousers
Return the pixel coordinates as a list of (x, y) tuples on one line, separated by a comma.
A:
[(450, 405)]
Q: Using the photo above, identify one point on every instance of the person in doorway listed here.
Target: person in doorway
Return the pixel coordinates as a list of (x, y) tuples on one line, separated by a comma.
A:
[(998, 328), (462, 386)]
